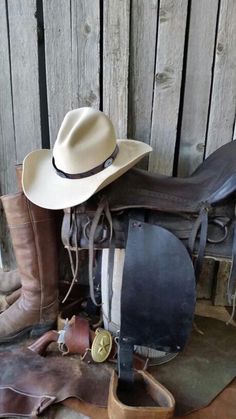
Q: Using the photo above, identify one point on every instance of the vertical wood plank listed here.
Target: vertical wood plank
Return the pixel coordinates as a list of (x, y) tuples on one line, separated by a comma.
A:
[(72, 34), (7, 135), (25, 79), (141, 69), (57, 33), (223, 102), (7, 138), (115, 63), (85, 53), (7, 258), (206, 280), (168, 76), (220, 293), (200, 56)]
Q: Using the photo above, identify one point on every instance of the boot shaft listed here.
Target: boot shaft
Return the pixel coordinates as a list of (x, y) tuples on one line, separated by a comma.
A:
[(19, 210), (33, 236)]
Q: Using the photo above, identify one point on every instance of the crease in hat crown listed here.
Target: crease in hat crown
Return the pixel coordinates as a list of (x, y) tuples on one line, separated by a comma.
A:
[(85, 140), (86, 144)]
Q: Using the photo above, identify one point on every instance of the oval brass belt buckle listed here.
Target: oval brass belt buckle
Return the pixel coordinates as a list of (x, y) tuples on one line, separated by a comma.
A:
[(101, 346)]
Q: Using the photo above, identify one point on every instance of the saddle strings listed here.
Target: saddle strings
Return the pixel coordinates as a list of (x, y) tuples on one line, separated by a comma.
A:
[(103, 207), (74, 266), (202, 225)]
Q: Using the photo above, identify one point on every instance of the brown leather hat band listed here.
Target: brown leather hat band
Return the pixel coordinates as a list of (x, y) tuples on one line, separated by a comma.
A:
[(95, 170)]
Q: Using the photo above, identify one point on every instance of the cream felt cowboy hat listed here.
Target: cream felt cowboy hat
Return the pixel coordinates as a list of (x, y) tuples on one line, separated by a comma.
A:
[(86, 157)]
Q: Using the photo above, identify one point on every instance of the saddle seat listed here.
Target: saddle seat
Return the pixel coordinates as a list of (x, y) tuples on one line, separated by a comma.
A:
[(213, 181)]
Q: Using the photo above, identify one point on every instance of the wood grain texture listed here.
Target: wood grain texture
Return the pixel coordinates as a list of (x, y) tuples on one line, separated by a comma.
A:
[(7, 135), (57, 33), (25, 77), (200, 56), (7, 258), (220, 294), (168, 76), (206, 280), (7, 139), (115, 63), (223, 102), (85, 53), (72, 33), (141, 69), (140, 66)]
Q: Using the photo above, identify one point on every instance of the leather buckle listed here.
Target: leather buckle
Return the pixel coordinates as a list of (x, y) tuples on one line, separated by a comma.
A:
[(101, 346)]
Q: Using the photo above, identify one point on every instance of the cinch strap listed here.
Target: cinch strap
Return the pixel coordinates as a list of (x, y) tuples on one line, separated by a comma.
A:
[(95, 170)]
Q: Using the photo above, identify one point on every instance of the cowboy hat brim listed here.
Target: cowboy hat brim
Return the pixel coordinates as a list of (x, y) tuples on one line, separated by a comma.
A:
[(45, 188)]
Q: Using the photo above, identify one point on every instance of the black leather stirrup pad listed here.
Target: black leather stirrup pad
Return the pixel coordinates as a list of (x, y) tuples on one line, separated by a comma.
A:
[(158, 294)]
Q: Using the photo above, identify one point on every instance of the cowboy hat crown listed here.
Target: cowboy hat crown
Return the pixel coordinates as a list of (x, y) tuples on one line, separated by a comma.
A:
[(85, 140), (85, 158)]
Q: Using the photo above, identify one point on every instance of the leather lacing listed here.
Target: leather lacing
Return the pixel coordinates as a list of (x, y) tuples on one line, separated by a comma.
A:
[(201, 225), (200, 230), (74, 265), (102, 209)]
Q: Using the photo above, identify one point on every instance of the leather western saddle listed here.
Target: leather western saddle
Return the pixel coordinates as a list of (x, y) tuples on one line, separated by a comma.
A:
[(200, 210)]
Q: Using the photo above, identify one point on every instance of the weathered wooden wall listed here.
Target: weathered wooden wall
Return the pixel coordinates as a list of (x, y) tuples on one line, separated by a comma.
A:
[(163, 70)]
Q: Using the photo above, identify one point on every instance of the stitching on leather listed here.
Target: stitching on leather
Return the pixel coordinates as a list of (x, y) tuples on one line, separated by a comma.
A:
[(50, 305), (167, 196)]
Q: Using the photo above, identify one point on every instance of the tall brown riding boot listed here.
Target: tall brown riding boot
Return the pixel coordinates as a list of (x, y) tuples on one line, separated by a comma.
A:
[(10, 283), (34, 243)]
